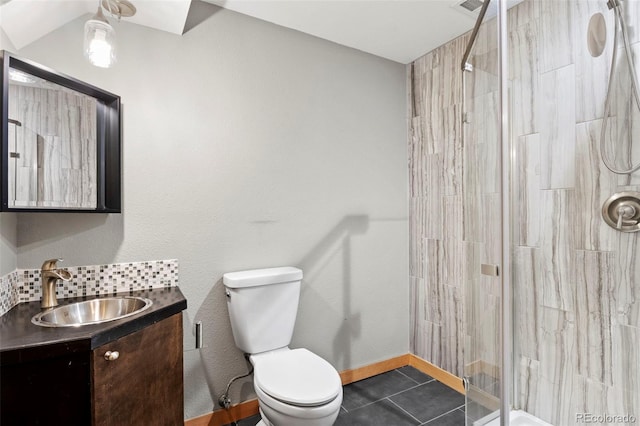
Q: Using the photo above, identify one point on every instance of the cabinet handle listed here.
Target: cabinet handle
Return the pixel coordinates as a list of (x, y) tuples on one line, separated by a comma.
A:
[(111, 355)]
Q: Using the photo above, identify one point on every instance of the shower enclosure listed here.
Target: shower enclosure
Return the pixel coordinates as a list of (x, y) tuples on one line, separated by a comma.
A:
[(552, 289)]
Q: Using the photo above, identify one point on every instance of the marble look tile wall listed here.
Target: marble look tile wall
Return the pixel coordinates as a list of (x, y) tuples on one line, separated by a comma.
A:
[(23, 285), (436, 181), (576, 281)]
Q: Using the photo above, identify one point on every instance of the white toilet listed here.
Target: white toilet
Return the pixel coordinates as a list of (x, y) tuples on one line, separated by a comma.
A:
[(295, 387)]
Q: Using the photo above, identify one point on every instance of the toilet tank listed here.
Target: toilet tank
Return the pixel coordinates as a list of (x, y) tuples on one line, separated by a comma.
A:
[(263, 304)]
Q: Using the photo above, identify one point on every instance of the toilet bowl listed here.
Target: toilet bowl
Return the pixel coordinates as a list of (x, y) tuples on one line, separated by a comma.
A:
[(295, 387)]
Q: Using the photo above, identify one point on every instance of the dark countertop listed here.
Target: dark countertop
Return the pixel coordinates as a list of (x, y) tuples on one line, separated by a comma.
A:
[(22, 341)]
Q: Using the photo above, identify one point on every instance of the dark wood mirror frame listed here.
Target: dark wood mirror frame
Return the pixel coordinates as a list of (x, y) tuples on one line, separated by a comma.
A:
[(109, 192)]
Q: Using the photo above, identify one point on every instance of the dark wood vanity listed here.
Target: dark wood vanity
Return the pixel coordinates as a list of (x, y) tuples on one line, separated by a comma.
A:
[(70, 376)]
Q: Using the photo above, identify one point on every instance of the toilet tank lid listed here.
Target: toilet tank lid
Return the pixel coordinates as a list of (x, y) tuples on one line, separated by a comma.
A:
[(257, 277)]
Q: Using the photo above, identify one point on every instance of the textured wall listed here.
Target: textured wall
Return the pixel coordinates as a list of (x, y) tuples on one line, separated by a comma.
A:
[(248, 145), (575, 280), (8, 243)]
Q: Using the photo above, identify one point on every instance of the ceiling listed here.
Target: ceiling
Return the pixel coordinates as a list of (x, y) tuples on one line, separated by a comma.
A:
[(399, 30)]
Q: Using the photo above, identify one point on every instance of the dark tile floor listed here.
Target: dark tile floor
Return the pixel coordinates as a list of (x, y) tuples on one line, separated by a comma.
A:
[(400, 397)]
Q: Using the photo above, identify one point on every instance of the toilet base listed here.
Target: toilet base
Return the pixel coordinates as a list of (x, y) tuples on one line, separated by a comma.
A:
[(263, 419)]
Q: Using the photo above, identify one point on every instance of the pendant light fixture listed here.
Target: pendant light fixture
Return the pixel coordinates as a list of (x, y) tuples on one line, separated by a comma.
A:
[(99, 35)]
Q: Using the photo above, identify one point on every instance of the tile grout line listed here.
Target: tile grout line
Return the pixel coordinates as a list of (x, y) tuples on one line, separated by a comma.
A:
[(389, 396), (443, 414), (411, 415)]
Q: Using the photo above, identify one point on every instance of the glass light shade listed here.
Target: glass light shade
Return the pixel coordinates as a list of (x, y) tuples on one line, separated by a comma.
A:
[(99, 42)]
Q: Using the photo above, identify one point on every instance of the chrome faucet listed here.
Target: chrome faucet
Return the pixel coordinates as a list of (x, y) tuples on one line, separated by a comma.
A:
[(50, 274)]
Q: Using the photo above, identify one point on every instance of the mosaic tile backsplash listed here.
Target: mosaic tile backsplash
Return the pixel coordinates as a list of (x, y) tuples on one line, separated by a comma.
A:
[(23, 285)]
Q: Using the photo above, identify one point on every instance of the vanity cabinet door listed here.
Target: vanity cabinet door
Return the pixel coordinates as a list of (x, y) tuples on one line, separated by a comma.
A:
[(137, 379), (46, 392)]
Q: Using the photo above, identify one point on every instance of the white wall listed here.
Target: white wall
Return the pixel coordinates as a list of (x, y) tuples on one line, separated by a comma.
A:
[(8, 243), (248, 145)]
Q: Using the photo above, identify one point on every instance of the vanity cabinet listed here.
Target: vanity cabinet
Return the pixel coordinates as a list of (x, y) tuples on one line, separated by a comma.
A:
[(141, 385), (46, 391)]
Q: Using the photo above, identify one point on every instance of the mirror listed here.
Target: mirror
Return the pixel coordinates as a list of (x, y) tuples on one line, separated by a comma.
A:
[(60, 142)]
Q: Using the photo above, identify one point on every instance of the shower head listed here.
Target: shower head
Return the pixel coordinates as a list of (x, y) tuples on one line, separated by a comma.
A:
[(16, 122), (612, 4)]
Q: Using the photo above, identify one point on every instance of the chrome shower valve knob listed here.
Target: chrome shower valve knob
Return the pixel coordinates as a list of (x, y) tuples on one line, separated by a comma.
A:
[(621, 211)]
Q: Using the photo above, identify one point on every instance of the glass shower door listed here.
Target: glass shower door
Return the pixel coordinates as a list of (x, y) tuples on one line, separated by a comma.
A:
[(576, 279), (576, 320), (482, 224)]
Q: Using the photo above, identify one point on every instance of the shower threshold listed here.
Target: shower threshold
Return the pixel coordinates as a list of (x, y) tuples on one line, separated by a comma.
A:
[(516, 418)]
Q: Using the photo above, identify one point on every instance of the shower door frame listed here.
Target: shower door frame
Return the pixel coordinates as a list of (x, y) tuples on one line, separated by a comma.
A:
[(506, 159)]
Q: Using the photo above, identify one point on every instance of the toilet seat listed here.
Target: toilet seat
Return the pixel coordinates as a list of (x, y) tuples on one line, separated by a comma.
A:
[(297, 377)]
